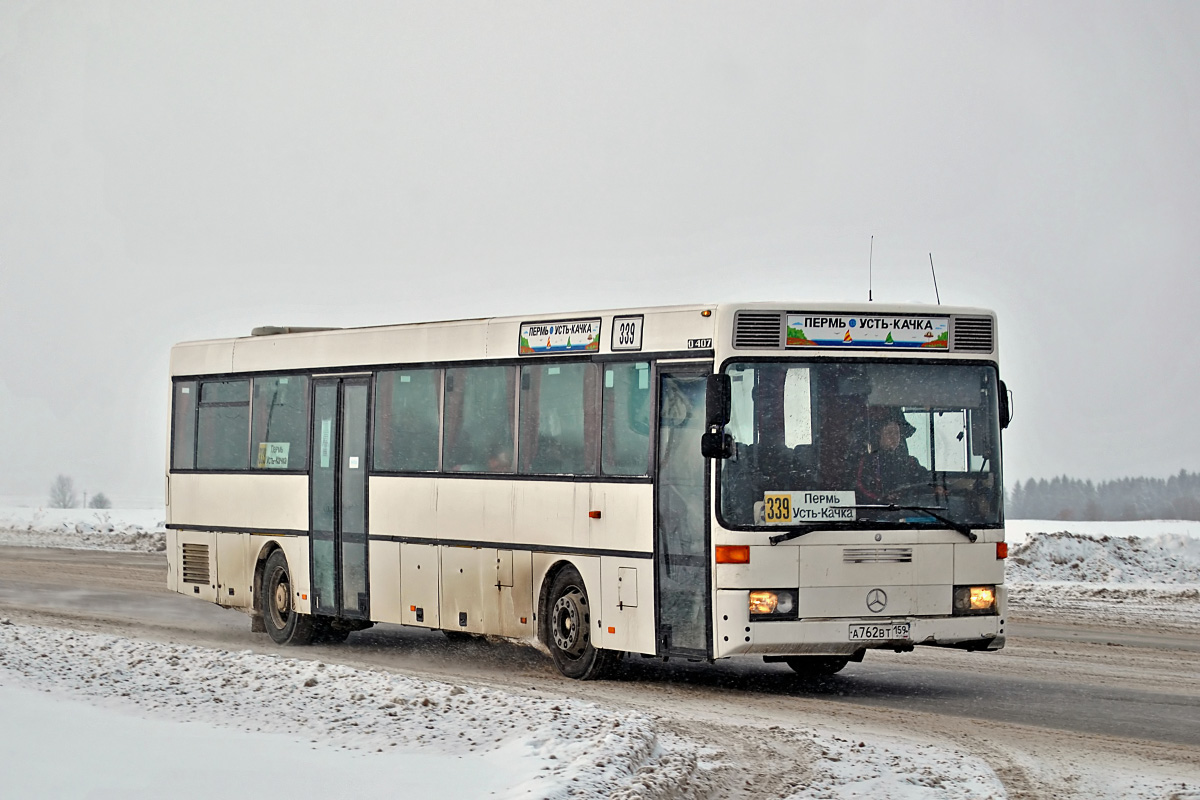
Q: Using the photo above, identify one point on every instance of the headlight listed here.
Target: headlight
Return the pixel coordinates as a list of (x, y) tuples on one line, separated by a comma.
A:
[(773, 604), (970, 600)]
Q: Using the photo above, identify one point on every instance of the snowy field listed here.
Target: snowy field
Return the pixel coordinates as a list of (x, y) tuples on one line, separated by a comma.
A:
[(143, 719)]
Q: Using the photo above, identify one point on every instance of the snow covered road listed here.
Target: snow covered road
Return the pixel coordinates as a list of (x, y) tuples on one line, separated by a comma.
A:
[(175, 681)]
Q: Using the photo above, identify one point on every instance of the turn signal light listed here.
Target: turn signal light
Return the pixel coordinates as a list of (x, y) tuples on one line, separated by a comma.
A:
[(733, 554), (1001, 549)]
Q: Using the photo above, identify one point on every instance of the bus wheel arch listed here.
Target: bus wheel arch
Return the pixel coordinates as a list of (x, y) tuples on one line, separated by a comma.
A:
[(565, 625), (276, 602)]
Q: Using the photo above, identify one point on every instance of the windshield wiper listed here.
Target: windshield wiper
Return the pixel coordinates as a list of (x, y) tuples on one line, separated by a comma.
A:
[(794, 533), (931, 511)]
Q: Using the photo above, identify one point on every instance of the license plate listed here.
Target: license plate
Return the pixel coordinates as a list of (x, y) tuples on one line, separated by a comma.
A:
[(877, 633)]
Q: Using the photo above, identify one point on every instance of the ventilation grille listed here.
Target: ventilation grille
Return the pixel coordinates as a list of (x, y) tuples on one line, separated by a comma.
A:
[(195, 563), (972, 335), (756, 329), (877, 555)]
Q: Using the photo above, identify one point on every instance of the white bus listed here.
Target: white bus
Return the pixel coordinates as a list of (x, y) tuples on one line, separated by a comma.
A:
[(790, 481)]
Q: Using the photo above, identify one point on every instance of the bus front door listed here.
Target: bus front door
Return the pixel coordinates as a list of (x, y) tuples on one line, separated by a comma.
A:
[(681, 552), (339, 498)]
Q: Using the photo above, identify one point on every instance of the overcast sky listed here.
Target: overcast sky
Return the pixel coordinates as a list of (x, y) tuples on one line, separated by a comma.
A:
[(183, 170)]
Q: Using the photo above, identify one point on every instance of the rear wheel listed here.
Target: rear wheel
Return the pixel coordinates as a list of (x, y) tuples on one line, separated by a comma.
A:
[(816, 666), (567, 630), (284, 624)]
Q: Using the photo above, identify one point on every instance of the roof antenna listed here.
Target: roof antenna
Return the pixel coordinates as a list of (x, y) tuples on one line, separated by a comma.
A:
[(871, 269), (935, 289)]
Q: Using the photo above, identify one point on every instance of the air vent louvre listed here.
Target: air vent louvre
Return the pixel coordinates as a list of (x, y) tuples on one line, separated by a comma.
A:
[(757, 329), (877, 555), (195, 563), (972, 335)]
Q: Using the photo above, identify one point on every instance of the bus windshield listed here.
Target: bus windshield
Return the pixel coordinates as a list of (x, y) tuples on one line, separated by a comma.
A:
[(854, 443)]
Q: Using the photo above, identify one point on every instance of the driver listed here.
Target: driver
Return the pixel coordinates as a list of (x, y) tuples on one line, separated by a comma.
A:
[(888, 469)]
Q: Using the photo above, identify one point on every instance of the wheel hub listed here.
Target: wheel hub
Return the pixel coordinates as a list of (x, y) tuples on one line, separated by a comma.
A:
[(567, 624), (281, 602)]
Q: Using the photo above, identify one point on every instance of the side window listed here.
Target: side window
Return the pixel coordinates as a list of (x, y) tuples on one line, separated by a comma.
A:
[(408, 420), (626, 421), (183, 449), (223, 425), (479, 419), (559, 419), (279, 437)]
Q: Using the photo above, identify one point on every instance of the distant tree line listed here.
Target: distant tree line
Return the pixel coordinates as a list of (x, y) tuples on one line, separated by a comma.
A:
[(1177, 497), (63, 495)]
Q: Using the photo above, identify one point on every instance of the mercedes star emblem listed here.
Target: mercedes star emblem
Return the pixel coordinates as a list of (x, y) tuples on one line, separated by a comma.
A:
[(876, 600)]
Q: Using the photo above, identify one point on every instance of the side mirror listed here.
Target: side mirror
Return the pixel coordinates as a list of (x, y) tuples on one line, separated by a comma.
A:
[(716, 444), (1005, 405), (716, 405)]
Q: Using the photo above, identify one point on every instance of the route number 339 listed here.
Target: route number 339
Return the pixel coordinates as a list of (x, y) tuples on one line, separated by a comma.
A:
[(627, 333), (777, 508)]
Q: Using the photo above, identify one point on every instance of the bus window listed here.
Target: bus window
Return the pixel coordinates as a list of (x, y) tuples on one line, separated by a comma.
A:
[(223, 425), (279, 422), (626, 427), (797, 407), (183, 450), (408, 420), (559, 419), (479, 419)]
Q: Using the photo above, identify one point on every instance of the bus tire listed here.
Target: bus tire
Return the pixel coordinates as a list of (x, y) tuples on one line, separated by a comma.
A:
[(568, 630), (284, 624), (816, 666)]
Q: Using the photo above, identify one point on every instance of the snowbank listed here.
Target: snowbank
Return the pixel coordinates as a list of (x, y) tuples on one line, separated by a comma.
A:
[(1170, 558), (511, 746), (140, 715), (137, 529)]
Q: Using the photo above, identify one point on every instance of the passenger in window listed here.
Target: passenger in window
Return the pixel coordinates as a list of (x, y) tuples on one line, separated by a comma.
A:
[(888, 473)]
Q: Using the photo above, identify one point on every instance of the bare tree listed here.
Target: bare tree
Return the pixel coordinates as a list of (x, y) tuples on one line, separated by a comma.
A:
[(62, 493), (100, 501)]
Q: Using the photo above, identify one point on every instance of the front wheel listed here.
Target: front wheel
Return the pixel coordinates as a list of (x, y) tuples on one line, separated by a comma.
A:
[(567, 630), (284, 624), (816, 666)]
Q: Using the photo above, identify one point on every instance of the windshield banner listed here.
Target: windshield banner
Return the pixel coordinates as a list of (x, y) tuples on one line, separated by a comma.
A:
[(793, 508), (817, 329), (574, 336)]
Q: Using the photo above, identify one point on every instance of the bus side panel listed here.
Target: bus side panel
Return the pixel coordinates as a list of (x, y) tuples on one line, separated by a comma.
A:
[(384, 563), (234, 577), (172, 543), (419, 585), (403, 506), (475, 510), (627, 608), (196, 555), (549, 513), (247, 501), (626, 516)]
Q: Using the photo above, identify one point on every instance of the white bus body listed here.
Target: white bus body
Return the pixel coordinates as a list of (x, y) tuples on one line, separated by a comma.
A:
[(541, 478)]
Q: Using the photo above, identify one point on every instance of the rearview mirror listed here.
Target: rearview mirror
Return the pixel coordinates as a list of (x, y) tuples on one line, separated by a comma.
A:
[(716, 404), (1005, 405)]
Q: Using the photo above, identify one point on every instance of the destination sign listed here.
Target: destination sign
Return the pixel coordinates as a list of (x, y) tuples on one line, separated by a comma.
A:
[(794, 508), (878, 331), (572, 336)]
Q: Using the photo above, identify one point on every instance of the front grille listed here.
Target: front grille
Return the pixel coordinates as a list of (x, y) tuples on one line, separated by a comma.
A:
[(195, 563), (972, 334), (758, 329), (877, 555)]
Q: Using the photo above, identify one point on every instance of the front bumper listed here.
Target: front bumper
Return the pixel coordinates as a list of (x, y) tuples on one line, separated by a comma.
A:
[(737, 635)]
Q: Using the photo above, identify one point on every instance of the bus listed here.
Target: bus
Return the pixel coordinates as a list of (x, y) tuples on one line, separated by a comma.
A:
[(796, 482)]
